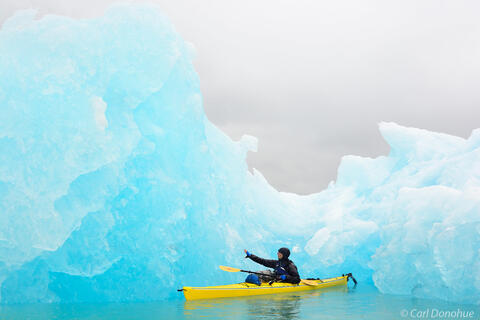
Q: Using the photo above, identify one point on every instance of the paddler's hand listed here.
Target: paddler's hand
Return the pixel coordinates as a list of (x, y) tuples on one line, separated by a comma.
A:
[(283, 277), (247, 253)]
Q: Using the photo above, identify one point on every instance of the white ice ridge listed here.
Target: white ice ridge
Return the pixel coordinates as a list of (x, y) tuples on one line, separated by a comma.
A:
[(114, 186)]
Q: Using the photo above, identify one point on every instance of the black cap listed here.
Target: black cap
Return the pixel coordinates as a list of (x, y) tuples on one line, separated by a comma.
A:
[(285, 252)]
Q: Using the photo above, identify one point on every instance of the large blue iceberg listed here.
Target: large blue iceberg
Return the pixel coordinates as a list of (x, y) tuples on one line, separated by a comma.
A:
[(114, 186)]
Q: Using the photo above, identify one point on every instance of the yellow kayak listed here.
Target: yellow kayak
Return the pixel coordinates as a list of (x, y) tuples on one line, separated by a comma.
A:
[(250, 289)]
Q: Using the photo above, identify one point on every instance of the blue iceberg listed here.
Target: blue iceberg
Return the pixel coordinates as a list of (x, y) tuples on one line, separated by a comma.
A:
[(114, 186)]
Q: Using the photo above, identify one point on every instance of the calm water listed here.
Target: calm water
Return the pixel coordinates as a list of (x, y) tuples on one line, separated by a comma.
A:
[(341, 303)]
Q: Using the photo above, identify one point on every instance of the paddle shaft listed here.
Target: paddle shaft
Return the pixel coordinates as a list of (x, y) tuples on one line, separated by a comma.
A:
[(259, 273), (274, 277)]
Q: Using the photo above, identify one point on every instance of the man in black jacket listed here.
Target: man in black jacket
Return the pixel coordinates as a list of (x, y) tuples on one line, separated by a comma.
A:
[(284, 268)]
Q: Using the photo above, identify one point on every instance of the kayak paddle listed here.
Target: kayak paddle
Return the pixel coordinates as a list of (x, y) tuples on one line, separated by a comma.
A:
[(230, 269)]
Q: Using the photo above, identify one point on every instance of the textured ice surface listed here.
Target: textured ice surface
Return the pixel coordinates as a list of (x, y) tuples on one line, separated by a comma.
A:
[(114, 186)]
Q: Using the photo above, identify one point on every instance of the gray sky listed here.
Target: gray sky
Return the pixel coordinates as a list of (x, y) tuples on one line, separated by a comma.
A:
[(311, 79)]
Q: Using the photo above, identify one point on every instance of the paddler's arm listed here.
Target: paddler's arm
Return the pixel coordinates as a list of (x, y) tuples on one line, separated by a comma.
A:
[(265, 262), (292, 276)]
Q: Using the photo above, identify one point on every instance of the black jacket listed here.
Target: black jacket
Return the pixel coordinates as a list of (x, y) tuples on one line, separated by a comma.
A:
[(287, 264)]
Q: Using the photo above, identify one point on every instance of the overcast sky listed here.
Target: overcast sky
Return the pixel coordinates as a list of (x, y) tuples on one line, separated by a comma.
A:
[(312, 79)]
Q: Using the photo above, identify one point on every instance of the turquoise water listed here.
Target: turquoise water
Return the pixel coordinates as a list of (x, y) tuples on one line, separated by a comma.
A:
[(362, 302)]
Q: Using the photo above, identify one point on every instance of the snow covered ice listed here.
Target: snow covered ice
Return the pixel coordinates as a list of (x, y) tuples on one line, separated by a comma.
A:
[(114, 186)]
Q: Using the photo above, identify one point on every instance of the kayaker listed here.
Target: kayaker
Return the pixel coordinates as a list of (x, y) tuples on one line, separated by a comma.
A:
[(284, 269)]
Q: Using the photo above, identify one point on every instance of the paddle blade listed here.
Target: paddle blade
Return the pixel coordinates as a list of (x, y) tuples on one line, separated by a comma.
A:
[(229, 269)]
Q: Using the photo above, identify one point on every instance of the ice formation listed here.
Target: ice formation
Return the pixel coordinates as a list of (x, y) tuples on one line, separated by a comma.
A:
[(114, 186)]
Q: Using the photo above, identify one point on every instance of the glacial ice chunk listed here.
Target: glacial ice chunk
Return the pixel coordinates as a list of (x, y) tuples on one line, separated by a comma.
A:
[(114, 186)]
